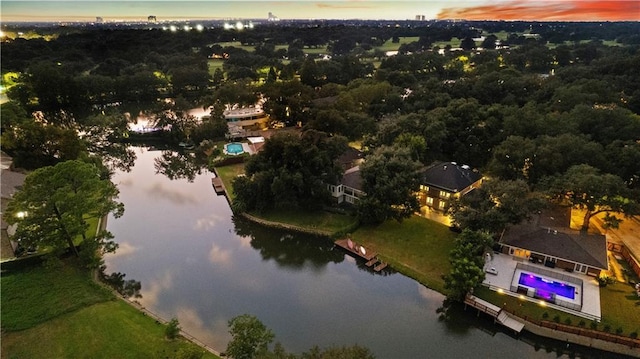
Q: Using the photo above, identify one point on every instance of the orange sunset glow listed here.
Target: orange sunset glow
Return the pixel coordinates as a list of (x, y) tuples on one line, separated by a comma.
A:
[(555, 10)]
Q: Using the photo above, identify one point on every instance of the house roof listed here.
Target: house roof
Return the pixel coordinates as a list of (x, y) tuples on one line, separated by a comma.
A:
[(352, 178), (564, 243), (349, 158), (450, 176)]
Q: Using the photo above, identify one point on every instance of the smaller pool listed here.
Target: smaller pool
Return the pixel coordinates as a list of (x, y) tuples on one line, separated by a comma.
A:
[(545, 287), (234, 148)]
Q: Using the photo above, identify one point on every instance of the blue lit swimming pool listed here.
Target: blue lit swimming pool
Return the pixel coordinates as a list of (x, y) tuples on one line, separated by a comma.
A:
[(234, 148), (544, 287)]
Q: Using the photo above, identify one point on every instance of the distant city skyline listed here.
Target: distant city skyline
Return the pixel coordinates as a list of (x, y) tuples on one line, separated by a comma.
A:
[(139, 10)]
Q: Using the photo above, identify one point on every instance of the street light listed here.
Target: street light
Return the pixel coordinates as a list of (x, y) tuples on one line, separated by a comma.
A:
[(21, 214)]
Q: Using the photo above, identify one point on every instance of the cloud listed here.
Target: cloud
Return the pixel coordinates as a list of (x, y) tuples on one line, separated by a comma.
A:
[(572, 10), (207, 223), (219, 256), (192, 324), (340, 6), (124, 249), (177, 197), (152, 291)]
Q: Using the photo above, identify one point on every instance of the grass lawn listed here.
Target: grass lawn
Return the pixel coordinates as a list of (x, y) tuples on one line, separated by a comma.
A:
[(620, 308), (389, 45), (527, 309), (215, 64), (416, 247), (320, 220), (227, 174), (36, 295), (60, 312), (315, 50)]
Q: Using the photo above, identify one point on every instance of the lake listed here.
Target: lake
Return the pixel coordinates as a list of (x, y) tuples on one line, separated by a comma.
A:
[(201, 265)]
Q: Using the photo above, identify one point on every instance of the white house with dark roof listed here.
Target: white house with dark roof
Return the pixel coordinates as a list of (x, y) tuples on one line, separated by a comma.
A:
[(443, 181), (349, 189)]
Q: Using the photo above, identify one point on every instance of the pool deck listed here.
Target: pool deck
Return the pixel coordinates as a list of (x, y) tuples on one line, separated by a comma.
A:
[(506, 267)]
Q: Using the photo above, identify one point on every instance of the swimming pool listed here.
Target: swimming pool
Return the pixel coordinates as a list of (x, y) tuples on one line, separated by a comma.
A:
[(234, 148), (546, 288)]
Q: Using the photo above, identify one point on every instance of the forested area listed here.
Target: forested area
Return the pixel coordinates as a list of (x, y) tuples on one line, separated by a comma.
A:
[(525, 104)]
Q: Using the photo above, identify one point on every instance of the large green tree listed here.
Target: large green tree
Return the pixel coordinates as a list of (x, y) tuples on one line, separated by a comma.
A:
[(390, 178), (466, 263), (55, 202), (586, 188), (291, 171), (249, 337), (494, 205)]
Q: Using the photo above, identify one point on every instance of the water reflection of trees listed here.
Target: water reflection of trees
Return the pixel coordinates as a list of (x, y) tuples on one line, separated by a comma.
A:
[(180, 164), (288, 249)]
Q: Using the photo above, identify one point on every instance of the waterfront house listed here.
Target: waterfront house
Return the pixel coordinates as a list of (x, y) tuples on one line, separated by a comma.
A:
[(546, 239), (349, 189), (444, 181)]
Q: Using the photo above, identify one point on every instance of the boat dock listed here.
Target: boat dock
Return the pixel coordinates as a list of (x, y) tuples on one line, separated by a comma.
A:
[(496, 312), (216, 182), (360, 251)]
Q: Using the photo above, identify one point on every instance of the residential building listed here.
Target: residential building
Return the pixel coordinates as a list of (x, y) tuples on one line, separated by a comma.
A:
[(444, 181), (349, 189), (546, 239)]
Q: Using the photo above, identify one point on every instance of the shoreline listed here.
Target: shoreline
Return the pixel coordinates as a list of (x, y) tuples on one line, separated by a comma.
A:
[(559, 335), (402, 269)]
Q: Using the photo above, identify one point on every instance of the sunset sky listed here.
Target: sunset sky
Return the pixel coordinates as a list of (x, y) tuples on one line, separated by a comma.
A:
[(543, 10)]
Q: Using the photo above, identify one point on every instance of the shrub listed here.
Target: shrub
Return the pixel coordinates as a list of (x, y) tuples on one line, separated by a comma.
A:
[(582, 323), (633, 335), (619, 330), (607, 328), (567, 321), (594, 325), (545, 315), (173, 329), (556, 318)]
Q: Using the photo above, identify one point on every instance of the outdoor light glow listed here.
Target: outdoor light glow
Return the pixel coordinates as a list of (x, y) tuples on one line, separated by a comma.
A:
[(21, 214), (500, 290), (173, 28), (239, 25), (521, 296), (199, 27), (186, 28), (543, 303)]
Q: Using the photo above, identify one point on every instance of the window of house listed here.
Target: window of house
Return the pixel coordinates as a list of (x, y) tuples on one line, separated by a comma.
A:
[(444, 194), (429, 201), (424, 188), (441, 205)]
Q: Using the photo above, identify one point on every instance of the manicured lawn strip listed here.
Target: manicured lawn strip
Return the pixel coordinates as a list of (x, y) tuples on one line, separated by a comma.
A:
[(36, 295), (111, 329), (416, 247), (320, 220), (227, 174), (619, 304), (526, 309)]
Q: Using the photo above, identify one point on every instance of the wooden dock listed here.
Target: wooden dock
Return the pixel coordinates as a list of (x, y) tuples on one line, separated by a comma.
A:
[(360, 251), (496, 312), (217, 184)]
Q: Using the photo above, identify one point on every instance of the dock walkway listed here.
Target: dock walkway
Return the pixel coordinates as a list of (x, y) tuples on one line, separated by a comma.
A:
[(217, 184), (361, 252), (496, 312)]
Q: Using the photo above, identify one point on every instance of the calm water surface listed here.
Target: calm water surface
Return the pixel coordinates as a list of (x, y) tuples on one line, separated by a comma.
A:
[(199, 264)]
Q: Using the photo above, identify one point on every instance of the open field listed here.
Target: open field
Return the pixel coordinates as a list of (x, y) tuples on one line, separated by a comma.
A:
[(416, 247), (62, 309)]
